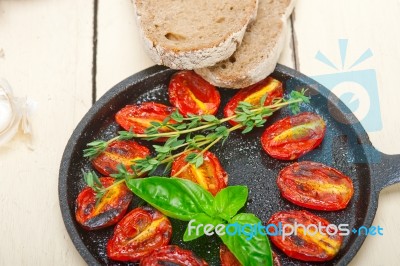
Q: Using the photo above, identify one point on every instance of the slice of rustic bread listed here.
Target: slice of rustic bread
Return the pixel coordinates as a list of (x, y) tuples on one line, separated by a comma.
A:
[(187, 34), (259, 52)]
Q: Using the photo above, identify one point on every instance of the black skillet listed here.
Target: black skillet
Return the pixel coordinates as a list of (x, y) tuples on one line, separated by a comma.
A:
[(346, 147)]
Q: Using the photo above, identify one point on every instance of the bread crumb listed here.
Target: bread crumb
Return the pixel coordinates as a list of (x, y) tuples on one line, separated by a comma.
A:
[(2, 53)]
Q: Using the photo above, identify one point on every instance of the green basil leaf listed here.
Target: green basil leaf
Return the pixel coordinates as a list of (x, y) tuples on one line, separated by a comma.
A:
[(246, 218), (250, 247), (197, 226), (175, 197), (230, 200)]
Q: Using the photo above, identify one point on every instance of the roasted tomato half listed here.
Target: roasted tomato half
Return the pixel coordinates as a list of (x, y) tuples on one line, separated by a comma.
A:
[(108, 211), (119, 152), (292, 137), (210, 175), (137, 118), (191, 94), (228, 259), (315, 186), (253, 94), (139, 233), (307, 245), (172, 255)]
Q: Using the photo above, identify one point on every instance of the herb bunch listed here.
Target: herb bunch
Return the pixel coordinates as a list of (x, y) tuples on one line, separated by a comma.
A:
[(93, 181), (247, 116)]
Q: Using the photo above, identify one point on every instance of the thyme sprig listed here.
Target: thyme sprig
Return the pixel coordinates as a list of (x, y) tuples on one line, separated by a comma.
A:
[(247, 116), (93, 181)]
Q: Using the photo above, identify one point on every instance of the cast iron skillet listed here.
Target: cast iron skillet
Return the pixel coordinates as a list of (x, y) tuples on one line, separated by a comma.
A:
[(346, 147)]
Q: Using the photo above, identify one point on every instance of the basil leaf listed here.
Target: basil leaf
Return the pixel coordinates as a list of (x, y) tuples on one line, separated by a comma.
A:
[(246, 218), (198, 224), (250, 247), (175, 197), (230, 200)]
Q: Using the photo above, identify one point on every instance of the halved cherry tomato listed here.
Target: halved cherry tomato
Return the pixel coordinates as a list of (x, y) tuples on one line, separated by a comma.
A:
[(191, 94), (228, 259), (292, 137), (119, 152), (137, 118), (139, 233), (108, 211), (253, 94), (310, 244), (210, 175), (315, 186), (172, 255)]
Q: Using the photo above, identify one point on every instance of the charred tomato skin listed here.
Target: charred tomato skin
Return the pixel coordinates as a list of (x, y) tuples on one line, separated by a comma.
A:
[(210, 175), (138, 234), (320, 247), (253, 95), (315, 186), (191, 94), (227, 258), (108, 211), (294, 136), (119, 152), (137, 118), (172, 255)]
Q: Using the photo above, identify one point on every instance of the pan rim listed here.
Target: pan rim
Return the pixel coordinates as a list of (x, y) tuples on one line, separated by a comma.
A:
[(156, 70)]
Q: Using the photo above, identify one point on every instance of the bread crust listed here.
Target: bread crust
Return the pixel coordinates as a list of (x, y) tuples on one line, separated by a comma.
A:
[(199, 57), (228, 75)]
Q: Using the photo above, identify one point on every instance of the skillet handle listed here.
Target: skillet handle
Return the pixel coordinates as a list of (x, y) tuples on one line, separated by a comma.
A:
[(386, 172)]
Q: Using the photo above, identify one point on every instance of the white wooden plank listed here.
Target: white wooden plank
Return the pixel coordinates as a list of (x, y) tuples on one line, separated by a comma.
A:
[(47, 56), (287, 55), (319, 24), (120, 51)]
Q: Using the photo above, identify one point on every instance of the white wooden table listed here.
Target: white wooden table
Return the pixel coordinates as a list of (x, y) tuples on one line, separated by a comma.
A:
[(61, 53)]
